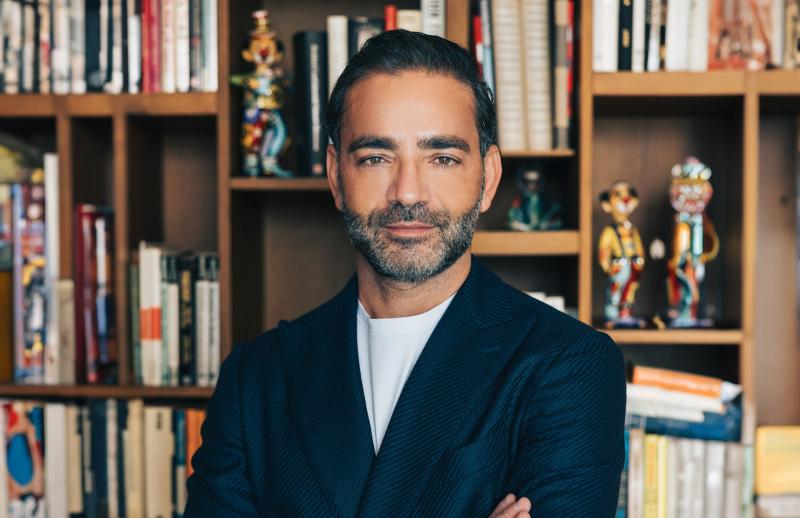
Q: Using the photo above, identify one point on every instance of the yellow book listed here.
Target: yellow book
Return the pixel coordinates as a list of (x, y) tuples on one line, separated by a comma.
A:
[(661, 496), (651, 469), (777, 460)]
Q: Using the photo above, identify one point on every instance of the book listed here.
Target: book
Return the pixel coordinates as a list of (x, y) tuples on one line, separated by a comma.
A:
[(210, 73), (537, 78), (359, 30), (187, 273), (55, 461), (685, 382), (409, 19), (170, 330), (635, 502), (52, 352), (625, 41), (179, 491), (150, 313), (510, 95), (337, 48), (777, 460), (605, 30), (311, 73), (434, 17), (159, 448)]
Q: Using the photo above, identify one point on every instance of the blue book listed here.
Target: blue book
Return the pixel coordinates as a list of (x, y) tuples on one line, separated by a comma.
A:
[(122, 425), (179, 462), (98, 458), (714, 427), (622, 499)]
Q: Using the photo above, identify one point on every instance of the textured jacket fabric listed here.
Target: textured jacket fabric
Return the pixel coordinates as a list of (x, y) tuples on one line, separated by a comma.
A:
[(508, 395)]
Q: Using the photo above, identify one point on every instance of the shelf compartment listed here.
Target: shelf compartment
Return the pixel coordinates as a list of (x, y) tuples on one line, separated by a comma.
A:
[(718, 360), (510, 243), (279, 184), (669, 84), (676, 336), (104, 391)]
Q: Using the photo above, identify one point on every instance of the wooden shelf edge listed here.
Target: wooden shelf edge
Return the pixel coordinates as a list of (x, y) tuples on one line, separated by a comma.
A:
[(542, 153), (669, 84), (279, 184), (676, 336), (103, 391), (777, 82), (511, 243), (105, 105)]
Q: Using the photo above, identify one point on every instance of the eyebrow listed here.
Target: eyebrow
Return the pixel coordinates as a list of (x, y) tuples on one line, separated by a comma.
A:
[(390, 144)]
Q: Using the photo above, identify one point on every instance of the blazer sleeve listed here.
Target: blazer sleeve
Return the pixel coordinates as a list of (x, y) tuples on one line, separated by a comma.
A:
[(219, 486), (571, 447)]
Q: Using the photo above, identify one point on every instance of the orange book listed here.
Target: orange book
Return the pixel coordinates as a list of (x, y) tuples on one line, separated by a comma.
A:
[(194, 419), (679, 381)]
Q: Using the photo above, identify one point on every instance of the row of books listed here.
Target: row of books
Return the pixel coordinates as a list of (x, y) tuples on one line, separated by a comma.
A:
[(321, 56), (695, 35), (112, 46), (174, 303), (685, 453), (105, 458), (525, 50)]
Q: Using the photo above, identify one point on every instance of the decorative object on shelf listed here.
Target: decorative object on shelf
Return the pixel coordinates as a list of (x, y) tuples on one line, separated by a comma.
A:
[(621, 255), (264, 133), (531, 210), (18, 160), (695, 242)]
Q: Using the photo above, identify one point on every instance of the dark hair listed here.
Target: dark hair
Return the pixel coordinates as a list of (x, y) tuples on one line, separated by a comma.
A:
[(399, 50)]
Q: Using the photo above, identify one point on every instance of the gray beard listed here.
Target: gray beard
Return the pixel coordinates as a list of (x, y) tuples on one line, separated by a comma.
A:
[(411, 260)]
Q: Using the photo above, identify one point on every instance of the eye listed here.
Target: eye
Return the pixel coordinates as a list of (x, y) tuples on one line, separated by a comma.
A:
[(372, 161), (445, 161)]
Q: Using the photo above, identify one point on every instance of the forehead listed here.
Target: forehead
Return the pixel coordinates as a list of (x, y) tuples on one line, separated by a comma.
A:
[(409, 104)]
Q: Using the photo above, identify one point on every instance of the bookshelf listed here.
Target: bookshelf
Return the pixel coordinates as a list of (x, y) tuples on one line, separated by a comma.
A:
[(168, 164)]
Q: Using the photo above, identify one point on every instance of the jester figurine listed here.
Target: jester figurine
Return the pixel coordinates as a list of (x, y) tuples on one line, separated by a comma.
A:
[(621, 255), (264, 134), (530, 210), (695, 242)]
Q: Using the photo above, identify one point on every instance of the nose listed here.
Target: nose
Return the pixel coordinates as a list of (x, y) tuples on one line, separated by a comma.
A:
[(408, 185)]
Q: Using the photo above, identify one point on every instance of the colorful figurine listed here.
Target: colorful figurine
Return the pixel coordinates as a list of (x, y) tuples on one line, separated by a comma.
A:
[(621, 255), (695, 242), (530, 210), (264, 134)]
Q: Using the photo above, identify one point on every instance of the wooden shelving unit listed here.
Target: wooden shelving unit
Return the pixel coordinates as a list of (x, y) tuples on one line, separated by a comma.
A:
[(169, 165), (104, 391)]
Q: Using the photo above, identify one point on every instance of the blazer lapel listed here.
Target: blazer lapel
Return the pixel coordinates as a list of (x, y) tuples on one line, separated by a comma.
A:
[(473, 341), (326, 398)]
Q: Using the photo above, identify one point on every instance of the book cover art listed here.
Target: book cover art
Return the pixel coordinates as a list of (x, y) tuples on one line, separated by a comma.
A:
[(740, 34), (24, 444)]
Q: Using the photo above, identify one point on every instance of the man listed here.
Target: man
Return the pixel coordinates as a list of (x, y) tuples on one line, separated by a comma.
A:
[(427, 387)]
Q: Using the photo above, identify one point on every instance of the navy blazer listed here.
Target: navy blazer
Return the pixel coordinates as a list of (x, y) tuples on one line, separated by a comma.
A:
[(508, 395)]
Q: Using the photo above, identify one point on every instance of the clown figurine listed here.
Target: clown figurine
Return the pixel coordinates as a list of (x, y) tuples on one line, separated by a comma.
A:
[(530, 210), (621, 255), (695, 242), (264, 134)]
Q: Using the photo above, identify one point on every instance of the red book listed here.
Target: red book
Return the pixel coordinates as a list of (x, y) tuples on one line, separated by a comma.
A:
[(389, 17), (83, 292), (477, 36), (570, 54)]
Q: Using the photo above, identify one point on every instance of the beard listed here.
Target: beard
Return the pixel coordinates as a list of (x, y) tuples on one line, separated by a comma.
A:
[(411, 259)]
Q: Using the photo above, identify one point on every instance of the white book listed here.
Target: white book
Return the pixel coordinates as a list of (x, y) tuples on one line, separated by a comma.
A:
[(734, 468), (637, 36), (673, 467), (77, 46), (678, 12), (115, 85), (209, 42), (778, 506), (134, 48), (686, 481), (636, 473), (52, 257), (150, 313), (778, 29), (55, 460), (699, 14), (43, 46), (677, 398), (433, 17), (699, 478), (536, 73), (605, 28), (29, 45), (168, 46), (74, 478), (59, 56), (12, 21), (159, 448), (105, 43), (650, 408), (337, 48), (171, 333), (488, 47), (653, 44), (4, 498), (111, 458), (748, 478), (182, 45), (133, 438), (214, 332), (507, 41), (65, 293), (715, 477), (409, 19), (201, 330)]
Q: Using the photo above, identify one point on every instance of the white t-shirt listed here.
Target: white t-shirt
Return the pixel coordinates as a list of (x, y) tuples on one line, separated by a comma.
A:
[(388, 348)]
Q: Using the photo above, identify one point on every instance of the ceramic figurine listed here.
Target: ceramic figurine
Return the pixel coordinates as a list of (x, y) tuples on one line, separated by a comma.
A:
[(621, 255), (264, 134), (530, 210), (695, 242)]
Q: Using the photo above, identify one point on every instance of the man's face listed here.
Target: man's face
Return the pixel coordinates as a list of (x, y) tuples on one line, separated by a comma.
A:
[(409, 179)]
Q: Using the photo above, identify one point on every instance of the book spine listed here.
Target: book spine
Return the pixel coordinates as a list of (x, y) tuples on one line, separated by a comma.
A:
[(537, 79), (433, 17), (697, 58), (150, 313), (734, 470), (55, 468), (121, 406), (654, 32), (201, 314), (134, 460), (311, 80), (389, 17), (625, 35), (170, 321), (93, 46), (43, 46), (154, 45), (605, 26), (112, 453), (214, 342), (106, 328), (715, 478), (182, 73), (77, 46), (337, 48), (638, 35), (409, 19), (208, 12), (195, 46), (561, 75), (488, 49), (105, 40), (159, 449), (622, 498), (60, 59), (147, 37), (6, 325), (167, 42), (359, 30), (99, 454), (134, 304), (134, 47), (179, 462), (187, 320), (29, 44), (679, 381), (114, 83), (90, 502), (52, 259), (506, 30), (74, 478)]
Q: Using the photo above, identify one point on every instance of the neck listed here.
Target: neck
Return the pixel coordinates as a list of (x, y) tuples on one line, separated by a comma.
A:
[(387, 298)]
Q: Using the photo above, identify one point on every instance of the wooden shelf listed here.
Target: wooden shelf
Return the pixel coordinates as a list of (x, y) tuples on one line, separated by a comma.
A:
[(669, 84), (511, 243), (777, 82), (105, 105), (676, 336), (542, 153), (279, 184), (104, 391)]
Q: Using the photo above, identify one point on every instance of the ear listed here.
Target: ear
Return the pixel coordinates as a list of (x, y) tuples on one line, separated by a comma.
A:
[(332, 166), (247, 55), (606, 206), (493, 170)]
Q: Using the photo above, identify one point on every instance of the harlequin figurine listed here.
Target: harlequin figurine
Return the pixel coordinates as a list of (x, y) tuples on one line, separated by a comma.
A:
[(264, 134), (695, 242), (621, 255), (530, 210)]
